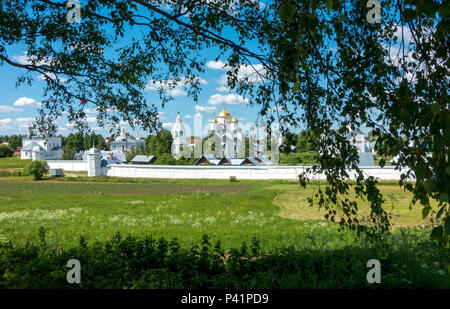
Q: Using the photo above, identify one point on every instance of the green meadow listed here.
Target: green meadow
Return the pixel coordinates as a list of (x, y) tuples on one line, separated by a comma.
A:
[(298, 246), (275, 212)]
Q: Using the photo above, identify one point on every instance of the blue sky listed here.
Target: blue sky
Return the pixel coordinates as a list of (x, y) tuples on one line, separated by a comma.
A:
[(18, 106)]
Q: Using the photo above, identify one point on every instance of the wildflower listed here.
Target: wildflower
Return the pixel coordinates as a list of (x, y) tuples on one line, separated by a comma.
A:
[(406, 280), (441, 272)]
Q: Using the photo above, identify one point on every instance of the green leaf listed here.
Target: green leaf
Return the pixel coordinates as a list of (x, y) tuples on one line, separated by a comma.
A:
[(447, 225), (409, 14), (330, 4), (287, 11), (429, 186), (443, 197), (296, 86), (425, 211), (437, 232), (444, 10), (429, 7), (382, 162)]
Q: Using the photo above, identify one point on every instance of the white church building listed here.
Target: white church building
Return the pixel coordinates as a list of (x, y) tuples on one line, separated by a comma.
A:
[(41, 148), (228, 135), (362, 143)]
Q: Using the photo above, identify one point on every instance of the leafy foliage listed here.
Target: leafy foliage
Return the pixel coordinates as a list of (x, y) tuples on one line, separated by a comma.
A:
[(314, 62), (37, 168), (14, 141), (128, 262), (6, 151), (159, 144)]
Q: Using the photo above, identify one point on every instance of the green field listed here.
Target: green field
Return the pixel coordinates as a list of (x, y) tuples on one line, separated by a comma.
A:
[(275, 213), (13, 162)]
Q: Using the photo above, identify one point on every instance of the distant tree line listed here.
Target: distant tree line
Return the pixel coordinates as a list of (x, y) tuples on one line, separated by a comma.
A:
[(77, 142), (14, 142)]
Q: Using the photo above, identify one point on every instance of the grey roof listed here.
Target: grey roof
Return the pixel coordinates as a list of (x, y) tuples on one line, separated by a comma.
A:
[(31, 145), (264, 160), (116, 153), (253, 161), (225, 161), (354, 133), (56, 148), (142, 159), (236, 161), (210, 159), (107, 160)]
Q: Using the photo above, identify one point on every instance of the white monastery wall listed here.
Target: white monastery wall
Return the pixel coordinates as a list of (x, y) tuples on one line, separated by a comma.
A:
[(224, 172), (213, 172), (68, 165)]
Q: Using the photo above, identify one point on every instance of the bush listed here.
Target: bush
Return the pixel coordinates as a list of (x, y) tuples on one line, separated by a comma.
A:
[(165, 159), (6, 151), (36, 168), (301, 158), (129, 262)]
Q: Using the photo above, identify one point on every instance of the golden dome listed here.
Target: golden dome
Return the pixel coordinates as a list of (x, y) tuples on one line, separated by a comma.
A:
[(234, 120), (213, 120), (224, 114)]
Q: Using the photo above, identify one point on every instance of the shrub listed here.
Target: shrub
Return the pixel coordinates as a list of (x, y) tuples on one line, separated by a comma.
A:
[(36, 168), (6, 151), (165, 159), (129, 262)]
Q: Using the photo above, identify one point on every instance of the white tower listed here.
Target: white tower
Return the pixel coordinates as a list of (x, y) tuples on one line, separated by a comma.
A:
[(178, 135), (94, 159)]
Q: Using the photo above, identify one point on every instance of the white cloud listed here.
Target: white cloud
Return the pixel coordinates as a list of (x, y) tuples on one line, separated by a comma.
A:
[(15, 126), (228, 99), (188, 116), (27, 60), (24, 101), (222, 88), (217, 65), (91, 119), (5, 121), (254, 73), (167, 125), (174, 87), (406, 31), (206, 109), (161, 116), (8, 109)]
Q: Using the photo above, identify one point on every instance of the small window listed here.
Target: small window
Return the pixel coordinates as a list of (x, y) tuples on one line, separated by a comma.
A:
[(181, 133)]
